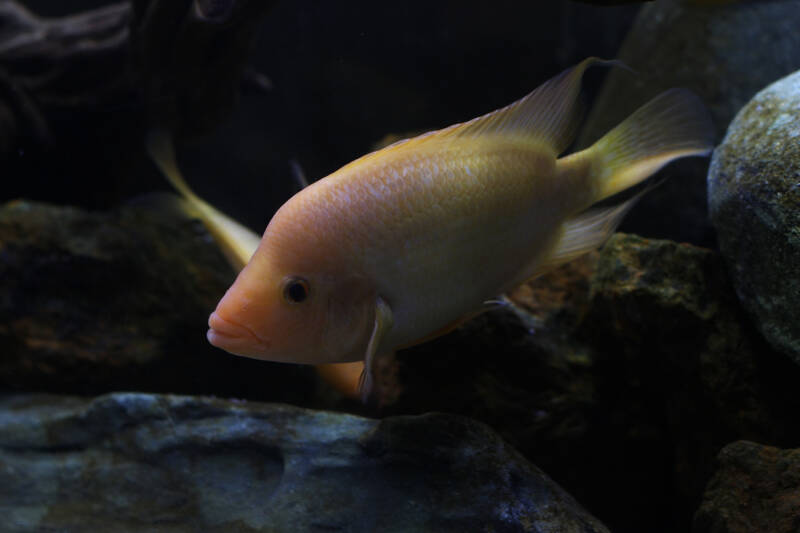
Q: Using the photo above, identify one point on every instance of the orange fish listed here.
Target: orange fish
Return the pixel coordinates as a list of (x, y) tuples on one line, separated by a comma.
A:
[(409, 241), (237, 242)]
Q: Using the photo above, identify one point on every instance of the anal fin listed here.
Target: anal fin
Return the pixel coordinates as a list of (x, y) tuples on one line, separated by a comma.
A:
[(582, 234)]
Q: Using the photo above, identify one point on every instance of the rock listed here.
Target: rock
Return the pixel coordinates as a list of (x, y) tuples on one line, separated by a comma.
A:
[(725, 54), (146, 462), (668, 330), (95, 302), (650, 364), (754, 199), (756, 489)]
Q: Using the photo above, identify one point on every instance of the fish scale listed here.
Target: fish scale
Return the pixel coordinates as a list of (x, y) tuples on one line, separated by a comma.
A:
[(465, 204)]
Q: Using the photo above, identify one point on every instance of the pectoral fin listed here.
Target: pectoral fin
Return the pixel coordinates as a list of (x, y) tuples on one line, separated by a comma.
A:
[(381, 326)]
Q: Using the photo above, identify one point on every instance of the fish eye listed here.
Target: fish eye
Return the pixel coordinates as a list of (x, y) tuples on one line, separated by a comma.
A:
[(295, 290)]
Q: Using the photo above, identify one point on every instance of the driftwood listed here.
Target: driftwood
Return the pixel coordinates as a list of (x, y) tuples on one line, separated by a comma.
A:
[(176, 63)]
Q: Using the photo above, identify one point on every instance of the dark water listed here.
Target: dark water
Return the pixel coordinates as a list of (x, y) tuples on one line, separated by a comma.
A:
[(343, 77), (627, 409)]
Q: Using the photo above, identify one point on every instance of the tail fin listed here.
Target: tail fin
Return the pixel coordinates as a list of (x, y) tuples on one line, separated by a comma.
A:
[(238, 243), (672, 125), (162, 152)]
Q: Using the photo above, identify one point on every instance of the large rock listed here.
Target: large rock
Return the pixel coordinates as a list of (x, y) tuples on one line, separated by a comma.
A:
[(626, 390), (754, 198), (756, 489), (621, 375), (137, 462), (94, 302), (725, 54), (674, 345)]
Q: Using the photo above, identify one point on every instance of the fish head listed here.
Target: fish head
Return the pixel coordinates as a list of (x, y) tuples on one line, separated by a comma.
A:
[(295, 301)]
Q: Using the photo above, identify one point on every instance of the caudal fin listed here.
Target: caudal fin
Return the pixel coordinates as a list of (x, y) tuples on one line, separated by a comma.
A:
[(674, 124), (238, 242)]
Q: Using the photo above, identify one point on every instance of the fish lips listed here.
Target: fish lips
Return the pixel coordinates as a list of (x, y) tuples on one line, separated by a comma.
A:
[(235, 338)]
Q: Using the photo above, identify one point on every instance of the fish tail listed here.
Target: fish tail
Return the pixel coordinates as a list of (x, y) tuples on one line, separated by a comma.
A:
[(672, 125), (238, 243), (162, 152)]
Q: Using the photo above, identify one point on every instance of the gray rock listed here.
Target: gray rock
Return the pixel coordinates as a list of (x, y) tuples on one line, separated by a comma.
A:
[(754, 490), (95, 302), (754, 199), (645, 359), (669, 334), (724, 54), (135, 462)]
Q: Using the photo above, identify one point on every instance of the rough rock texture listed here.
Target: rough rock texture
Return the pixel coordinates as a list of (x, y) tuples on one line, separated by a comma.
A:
[(93, 302), (756, 489), (725, 54), (624, 395), (667, 330), (621, 375), (754, 199), (138, 462)]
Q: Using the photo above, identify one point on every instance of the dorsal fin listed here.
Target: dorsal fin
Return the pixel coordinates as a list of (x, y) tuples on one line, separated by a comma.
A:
[(549, 114)]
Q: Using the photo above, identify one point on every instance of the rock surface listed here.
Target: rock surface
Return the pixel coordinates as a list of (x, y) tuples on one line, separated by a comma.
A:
[(621, 375), (684, 363), (756, 489), (96, 302), (652, 367), (725, 54), (145, 462), (754, 199)]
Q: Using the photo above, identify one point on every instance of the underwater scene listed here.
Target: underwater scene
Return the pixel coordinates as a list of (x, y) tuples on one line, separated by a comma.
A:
[(492, 267)]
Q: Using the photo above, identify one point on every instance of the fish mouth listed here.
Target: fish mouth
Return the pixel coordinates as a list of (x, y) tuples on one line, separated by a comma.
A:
[(235, 338)]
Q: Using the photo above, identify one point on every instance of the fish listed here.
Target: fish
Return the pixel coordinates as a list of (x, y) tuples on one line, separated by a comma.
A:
[(237, 242), (407, 242)]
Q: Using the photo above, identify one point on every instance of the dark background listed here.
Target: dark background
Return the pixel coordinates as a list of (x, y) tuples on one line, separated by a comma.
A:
[(344, 75)]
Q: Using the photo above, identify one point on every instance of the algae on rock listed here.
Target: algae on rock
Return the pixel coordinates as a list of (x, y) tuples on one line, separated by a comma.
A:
[(754, 199), (725, 54)]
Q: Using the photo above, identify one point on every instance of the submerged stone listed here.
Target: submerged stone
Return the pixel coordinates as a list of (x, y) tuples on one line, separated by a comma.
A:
[(754, 198), (724, 54), (141, 462), (756, 489), (95, 302), (627, 389)]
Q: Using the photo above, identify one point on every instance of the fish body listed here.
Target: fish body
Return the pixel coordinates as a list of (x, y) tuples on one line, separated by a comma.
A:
[(409, 240), (435, 227), (237, 242)]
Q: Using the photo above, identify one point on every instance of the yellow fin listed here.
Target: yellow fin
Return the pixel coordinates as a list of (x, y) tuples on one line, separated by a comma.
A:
[(582, 234), (237, 242), (548, 115), (672, 125)]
